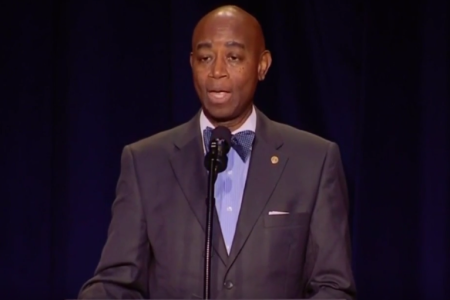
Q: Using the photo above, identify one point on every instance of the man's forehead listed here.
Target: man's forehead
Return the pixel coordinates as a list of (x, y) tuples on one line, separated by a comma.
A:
[(221, 33), (224, 30)]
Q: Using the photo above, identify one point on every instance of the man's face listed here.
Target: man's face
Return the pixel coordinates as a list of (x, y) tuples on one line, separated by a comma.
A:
[(225, 62)]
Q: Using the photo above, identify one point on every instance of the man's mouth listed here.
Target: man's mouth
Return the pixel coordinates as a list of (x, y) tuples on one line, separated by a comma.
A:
[(219, 96)]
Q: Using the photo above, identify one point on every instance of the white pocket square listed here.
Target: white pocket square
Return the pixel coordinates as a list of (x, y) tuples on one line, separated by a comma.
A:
[(277, 213)]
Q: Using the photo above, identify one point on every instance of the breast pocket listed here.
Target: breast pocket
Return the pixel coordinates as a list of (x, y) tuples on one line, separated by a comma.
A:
[(288, 220)]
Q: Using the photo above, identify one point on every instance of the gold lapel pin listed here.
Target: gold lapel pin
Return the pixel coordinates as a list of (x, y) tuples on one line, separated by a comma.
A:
[(274, 160)]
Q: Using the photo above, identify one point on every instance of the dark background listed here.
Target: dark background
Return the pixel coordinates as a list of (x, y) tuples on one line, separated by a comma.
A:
[(81, 79)]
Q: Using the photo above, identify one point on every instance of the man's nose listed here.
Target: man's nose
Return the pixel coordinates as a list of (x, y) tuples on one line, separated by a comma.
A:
[(219, 69)]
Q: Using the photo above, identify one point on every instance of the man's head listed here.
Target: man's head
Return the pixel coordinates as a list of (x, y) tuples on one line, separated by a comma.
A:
[(228, 58)]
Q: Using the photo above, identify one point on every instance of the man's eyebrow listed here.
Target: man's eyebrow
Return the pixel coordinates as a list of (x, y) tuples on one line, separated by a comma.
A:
[(235, 44), (229, 44), (204, 45)]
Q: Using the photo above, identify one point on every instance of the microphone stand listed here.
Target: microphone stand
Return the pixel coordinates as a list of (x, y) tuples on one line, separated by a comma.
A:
[(215, 162), (210, 204)]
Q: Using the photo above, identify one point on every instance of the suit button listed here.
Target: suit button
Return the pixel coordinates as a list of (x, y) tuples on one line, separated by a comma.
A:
[(228, 284)]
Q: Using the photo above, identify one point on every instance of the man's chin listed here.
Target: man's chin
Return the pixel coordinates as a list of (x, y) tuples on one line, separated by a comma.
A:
[(219, 114)]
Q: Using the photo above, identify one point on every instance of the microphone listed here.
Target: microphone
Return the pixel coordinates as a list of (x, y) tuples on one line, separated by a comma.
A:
[(216, 161), (219, 147)]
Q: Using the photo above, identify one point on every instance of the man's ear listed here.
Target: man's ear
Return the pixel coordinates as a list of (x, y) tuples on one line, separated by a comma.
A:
[(191, 59), (265, 62)]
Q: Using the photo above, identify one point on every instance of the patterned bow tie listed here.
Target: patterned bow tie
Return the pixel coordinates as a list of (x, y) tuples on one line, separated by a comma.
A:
[(241, 142)]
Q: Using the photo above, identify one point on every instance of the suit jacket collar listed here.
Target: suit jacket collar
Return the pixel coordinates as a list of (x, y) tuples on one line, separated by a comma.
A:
[(266, 166)]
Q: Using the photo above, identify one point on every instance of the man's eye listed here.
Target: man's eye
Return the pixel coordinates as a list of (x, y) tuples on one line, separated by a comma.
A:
[(234, 58), (205, 58)]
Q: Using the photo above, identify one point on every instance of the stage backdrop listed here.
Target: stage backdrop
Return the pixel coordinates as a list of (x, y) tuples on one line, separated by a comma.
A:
[(81, 79)]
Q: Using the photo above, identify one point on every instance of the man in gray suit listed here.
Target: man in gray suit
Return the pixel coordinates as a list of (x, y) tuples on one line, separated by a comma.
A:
[(280, 229)]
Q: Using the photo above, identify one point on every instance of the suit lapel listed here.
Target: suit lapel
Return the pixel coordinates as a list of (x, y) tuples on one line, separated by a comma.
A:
[(187, 164), (266, 166)]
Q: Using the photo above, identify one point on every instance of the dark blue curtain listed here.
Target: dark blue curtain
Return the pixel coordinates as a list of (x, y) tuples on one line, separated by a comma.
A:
[(80, 79)]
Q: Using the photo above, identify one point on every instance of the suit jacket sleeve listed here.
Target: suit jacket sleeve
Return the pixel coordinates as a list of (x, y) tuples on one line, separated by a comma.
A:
[(122, 270), (329, 248)]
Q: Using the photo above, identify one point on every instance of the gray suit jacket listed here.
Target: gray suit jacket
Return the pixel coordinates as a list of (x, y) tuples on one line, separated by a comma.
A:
[(155, 244)]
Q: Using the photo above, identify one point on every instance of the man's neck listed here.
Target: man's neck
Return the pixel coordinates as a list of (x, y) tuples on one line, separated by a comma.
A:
[(234, 124)]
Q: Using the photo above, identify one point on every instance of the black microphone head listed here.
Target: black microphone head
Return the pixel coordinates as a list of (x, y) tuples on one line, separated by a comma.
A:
[(221, 133), (219, 147)]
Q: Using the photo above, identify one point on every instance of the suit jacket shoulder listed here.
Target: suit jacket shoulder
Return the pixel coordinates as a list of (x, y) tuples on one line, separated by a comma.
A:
[(302, 143), (156, 145), (155, 142)]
